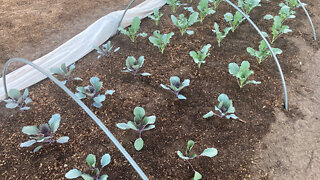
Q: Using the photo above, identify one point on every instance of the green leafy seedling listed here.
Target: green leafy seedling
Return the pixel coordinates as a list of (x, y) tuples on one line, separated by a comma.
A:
[(174, 4), (156, 16), (65, 72), (242, 73), (133, 65), (16, 100), (92, 92), (204, 10), (95, 172), (220, 35), (199, 56), (43, 134), (292, 4), (209, 152), (248, 5), (215, 3), (234, 21), (140, 123), (132, 32), (183, 23), (160, 40), (176, 86), (106, 50)]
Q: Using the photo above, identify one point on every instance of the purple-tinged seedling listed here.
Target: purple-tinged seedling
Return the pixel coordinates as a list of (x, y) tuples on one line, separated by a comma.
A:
[(209, 152), (92, 92), (140, 123), (106, 50), (95, 172), (133, 65), (65, 72), (44, 134), (16, 100), (176, 86)]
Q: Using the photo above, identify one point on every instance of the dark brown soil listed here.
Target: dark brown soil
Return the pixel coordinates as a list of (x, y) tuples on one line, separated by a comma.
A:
[(177, 121)]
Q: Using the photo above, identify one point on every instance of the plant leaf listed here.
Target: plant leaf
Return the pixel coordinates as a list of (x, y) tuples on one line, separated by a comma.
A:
[(105, 160), (164, 87), (209, 114), (28, 143), (138, 144), (109, 92), (234, 69), (209, 152), (72, 174), (189, 146), (63, 139), (14, 94), (123, 126), (37, 149), (87, 177), (91, 160), (11, 105), (145, 74), (30, 130), (139, 112), (181, 155), (149, 127), (103, 177), (181, 97), (197, 176), (54, 122)]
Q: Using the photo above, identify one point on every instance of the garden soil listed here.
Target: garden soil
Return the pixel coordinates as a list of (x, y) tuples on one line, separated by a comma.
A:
[(272, 144)]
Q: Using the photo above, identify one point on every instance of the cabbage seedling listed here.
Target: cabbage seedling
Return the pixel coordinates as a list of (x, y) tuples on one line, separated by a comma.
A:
[(140, 123), (65, 72), (160, 40), (183, 23), (106, 50), (248, 5), (43, 134), (93, 92), (176, 86), (133, 65), (199, 56), (263, 51), (235, 20), (16, 100), (95, 172), (242, 73), (220, 35), (209, 152), (156, 16), (204, 10), (215, 3), (132, 32), (174, 4)]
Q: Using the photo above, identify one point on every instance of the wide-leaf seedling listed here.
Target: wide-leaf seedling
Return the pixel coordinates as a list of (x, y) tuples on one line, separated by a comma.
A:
[(209, 152), (140, 123), (92, 92), (16, 100), (65, 72), (234, 21), (174, 4), (160, 40), (183, 23), (248, 5), (156, 16), (43, 134), (95, 172), (292, 4), (242, 73), (133, 65), (176, 86), (220, 35), (132, 32), (204, 10), (215, 3), (106, 50), (199, 56)]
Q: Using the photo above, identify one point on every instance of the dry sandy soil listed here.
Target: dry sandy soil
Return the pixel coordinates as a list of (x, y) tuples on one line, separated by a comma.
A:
[(291, 150)]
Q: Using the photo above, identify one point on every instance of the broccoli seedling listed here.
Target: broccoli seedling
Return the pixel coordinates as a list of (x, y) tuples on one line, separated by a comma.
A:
[(242, 73), (220, 35), (132, 32), (156, 16), (65, 72), (215, 3), (44, 134), (292, 4), (209, 152), (183, 23), (204, 10), (199, 56), (176, 86), (16, 100), (174, 4), (133, 65), (248, 5), (235, 20), (140, 123), (106, 50), (95, 172), (92, 92), (160, 40)]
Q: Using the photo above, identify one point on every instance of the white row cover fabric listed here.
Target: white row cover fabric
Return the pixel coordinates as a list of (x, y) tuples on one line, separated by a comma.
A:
[(78, 46)]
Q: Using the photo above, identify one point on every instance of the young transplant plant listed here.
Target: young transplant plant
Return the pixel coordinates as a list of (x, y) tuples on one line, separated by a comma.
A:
[(292, 4), (140, 123), (43, 134), (133, 65), (183, 23), (156, 16), (106, 50), (220, 35), (176, 86), (65, 72), (93, 92), (95, 172), (16, 100), (235, 20), (204, 10), (248, 5), (199, 56), (174, 4), (132, 32), (242, 73), (263, 52), (160, 40), (209, 152), (215, 3)]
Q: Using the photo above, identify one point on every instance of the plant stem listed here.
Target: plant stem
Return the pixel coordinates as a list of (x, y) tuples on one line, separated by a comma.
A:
[(190, 164)]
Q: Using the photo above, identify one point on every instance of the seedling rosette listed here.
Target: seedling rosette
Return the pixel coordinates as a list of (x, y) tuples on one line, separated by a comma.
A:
[(199, 56), (160, 40), (234, 21), (204, 10), (183, 23), (220, 35), (106, 50), (140, 123), (174, 4), (156, 16), (242, 73), (176, 86), (133, 65), (132, 32), (65, 72), (248, 5), (16, 100), (215, 3)]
